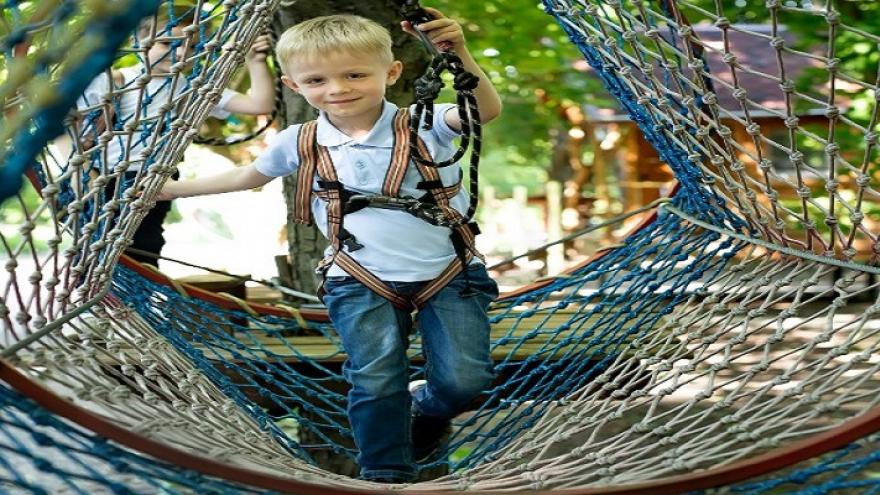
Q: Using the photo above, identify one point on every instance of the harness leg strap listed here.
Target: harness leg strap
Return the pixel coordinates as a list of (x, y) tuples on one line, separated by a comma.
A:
[(461, 247)]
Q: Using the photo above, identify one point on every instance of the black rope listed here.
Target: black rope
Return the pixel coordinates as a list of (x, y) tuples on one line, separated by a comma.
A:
[(427, 89)]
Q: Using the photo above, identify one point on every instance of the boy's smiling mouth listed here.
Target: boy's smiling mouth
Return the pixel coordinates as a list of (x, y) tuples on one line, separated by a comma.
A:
[(340, 102)]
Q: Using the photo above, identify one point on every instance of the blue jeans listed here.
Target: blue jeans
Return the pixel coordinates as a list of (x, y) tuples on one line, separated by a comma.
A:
[(455, 336)]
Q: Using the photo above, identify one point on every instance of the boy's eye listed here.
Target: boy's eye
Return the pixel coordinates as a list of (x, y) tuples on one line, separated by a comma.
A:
[(313, 81), (356, 75)]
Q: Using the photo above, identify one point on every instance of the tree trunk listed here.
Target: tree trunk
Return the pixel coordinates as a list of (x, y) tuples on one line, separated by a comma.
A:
[(306, 244)]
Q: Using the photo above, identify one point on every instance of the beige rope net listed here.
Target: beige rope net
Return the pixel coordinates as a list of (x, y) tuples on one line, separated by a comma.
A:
[(738, 320)]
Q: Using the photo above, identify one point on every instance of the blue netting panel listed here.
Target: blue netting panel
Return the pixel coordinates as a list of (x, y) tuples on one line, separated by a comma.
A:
[(848, 471), (571, 330), (42, 454)]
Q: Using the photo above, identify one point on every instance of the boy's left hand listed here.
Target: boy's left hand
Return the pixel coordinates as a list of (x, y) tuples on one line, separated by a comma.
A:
[(259, 50), (444, 32)]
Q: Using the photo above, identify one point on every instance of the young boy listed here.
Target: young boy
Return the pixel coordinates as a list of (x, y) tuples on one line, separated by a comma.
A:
[(342, 65), (169, 48)]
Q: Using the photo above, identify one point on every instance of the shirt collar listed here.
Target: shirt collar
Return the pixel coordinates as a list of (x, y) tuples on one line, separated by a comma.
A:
[(381, 135)]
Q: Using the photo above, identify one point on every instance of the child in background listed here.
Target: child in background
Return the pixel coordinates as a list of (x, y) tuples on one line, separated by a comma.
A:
[(171, 46)]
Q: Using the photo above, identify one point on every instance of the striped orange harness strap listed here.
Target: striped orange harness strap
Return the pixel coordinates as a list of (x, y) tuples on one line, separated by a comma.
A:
[(315, 162)]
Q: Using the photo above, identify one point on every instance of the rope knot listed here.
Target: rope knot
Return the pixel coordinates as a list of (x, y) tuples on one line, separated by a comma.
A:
[(832, 64), (465, 81), (753, 129), (804, 192), (832, 18), (777, 42), (832, 185), (722, 22), (832, 148), (428, 88), (857, 217), (787, 86)]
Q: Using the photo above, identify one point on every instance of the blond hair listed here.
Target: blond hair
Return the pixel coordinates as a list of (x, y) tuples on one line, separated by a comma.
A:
[(326, 34)]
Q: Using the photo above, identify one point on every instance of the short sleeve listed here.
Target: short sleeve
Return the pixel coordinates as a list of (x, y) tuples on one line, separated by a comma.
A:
[(94, 92), (442, 132), (219, 111), (281, 157)]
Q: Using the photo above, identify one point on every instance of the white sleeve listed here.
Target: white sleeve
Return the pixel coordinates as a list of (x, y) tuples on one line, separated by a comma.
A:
[(441, 132), (219, 111), (282, 156), (94, 92)]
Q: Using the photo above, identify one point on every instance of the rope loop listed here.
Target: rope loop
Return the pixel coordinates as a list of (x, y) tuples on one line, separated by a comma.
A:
[(428, 89)]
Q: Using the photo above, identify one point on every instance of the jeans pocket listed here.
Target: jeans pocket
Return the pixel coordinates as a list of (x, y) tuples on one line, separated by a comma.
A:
[(479, 279), (331, 283)]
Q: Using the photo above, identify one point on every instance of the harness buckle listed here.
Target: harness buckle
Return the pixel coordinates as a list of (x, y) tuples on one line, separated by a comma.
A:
[(349, 241), (324, 265), (351, 244), (432, 214)]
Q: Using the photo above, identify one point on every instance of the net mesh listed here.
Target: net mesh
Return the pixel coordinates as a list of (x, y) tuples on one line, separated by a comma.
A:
[(740, 317)]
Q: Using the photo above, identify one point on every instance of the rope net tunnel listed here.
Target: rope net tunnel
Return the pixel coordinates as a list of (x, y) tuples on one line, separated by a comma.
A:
[(733, 333)]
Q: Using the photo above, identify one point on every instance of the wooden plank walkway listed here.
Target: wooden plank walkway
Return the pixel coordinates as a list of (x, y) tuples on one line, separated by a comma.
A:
[(553, 335)]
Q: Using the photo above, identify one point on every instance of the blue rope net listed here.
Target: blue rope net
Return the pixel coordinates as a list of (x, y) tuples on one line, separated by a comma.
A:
[(44, 454), (570, 331), (736, 321)]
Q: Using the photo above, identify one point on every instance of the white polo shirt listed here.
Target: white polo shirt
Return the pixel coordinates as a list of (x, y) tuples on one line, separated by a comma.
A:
[(397, 245)]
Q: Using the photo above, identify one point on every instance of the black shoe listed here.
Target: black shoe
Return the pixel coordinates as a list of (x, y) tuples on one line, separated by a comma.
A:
[(428, 434)]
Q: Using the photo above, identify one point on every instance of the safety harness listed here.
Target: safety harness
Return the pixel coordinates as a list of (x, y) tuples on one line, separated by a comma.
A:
[(433, 207)]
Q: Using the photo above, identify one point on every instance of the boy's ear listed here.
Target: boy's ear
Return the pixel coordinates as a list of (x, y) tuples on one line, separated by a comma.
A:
[(290, 84), (394, 72)]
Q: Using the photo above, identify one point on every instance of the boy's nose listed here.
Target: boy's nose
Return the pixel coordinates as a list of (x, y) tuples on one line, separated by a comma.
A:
[(338, 87)]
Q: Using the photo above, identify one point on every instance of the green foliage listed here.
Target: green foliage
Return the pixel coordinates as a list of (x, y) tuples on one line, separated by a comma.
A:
[(527, 54), (13, 215)]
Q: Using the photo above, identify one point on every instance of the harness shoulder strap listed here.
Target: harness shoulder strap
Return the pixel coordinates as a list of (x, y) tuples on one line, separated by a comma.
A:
[(307, 150), (399, 155)]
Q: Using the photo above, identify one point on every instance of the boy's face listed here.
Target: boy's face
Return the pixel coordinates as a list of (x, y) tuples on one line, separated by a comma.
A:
[(347, 86), (166, 52)]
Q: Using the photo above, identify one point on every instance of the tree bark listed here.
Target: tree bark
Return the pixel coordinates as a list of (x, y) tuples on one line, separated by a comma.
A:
[(305, 243)]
